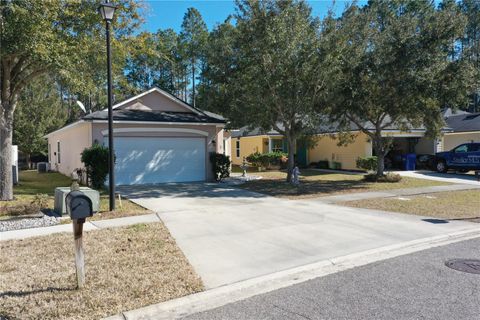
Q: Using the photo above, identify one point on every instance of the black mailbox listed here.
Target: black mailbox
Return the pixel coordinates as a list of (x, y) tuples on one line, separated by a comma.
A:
[(79, 206)]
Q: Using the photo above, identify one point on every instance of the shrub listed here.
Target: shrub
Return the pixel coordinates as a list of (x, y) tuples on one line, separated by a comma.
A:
[(220, 165), (267, 159), (95, 160), (367, 163), (322, 164), (389, 177), (40, 201), (255, 159), (336, 165)]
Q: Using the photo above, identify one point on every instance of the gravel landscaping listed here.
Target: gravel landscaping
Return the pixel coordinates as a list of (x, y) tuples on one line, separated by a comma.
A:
[(24, 223), (126, 268)]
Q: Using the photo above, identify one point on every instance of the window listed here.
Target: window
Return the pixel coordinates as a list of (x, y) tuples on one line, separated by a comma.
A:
[(58, 151), (474, 147), (49, 152), (461, 149), (237, 148), (277, 145)]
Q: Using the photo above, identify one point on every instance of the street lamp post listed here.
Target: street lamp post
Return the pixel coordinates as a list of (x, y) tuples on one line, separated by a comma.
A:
[(107, 10)]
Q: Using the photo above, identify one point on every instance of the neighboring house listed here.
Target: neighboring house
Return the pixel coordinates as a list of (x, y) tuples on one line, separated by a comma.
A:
[(465, 127), (326, 147), (157, 138), (244, 142)]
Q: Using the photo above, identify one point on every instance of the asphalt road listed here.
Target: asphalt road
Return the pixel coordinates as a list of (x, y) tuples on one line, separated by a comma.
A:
[(414, 286)]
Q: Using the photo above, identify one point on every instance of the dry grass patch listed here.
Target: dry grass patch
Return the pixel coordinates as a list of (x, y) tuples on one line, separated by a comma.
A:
[(314, 183), (444, 205), (33, 185), (126, 268)]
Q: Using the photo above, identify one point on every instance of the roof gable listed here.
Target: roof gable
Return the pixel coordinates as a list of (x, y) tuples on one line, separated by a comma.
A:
[(156, 99)]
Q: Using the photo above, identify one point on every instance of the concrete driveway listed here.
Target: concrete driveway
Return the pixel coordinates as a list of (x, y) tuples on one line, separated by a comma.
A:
[(462, 178), (229, 234)]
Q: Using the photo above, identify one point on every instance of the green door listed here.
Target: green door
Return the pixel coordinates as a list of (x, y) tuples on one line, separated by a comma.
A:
[(300, 156)]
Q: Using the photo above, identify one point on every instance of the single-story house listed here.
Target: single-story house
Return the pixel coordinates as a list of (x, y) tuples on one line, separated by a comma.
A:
[(465, 127), (244, 142), (460, 128), (157, 138)]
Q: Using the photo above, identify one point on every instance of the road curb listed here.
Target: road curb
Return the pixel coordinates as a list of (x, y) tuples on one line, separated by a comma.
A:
[(223, 295)]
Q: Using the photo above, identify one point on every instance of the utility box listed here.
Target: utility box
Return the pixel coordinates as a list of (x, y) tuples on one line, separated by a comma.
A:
[(43, 167), (61, 193), (78, 205)]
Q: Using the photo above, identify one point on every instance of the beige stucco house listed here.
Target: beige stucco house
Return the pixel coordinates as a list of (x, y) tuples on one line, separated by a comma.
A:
[(157, 138), (463, 128)]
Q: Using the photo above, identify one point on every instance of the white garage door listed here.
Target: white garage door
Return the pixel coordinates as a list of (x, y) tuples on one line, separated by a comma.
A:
[(142, 160)]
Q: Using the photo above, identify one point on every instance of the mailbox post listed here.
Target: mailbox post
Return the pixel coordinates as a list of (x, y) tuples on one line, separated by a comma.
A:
[(79, 207)]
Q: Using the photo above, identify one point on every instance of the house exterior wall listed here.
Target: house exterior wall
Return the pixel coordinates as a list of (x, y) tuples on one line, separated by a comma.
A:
[(154, 101), (327, 149), (451, 140), (425, 146), (248, 145), (72, 141), (142, 130)]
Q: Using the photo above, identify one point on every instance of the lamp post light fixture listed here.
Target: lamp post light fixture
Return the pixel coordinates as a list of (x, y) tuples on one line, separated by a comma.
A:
[(107, 10)]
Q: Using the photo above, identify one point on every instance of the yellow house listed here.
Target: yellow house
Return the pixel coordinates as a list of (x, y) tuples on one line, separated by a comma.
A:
[(326, 146), (244, 142), (461, 127)]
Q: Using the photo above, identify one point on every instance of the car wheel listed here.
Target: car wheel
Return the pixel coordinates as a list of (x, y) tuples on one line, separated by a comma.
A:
[(441, 166)]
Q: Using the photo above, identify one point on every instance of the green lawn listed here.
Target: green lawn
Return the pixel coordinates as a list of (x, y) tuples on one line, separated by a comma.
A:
[(32, 183), (444, 205), (314, 183)]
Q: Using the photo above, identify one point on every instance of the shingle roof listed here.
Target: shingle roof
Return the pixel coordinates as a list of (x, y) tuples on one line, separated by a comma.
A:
[(247, 132), (326, 127), (156, 116), (464, 122)]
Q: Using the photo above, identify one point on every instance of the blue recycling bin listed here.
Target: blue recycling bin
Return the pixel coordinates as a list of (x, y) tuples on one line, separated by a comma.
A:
[(410, 161)]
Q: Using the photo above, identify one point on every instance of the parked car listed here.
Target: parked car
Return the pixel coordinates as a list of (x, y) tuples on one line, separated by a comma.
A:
[(463, 158), (426, 161)]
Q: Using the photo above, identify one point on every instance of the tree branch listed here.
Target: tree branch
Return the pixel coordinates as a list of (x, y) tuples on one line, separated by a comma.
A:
[(23, 82), (361, 127)]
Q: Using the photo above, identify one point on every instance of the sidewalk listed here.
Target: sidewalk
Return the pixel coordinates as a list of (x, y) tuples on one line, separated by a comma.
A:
[(445, 177), (393, 193), (89, 225)]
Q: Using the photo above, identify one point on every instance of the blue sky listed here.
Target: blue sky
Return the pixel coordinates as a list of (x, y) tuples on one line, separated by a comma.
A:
[(163, 14)]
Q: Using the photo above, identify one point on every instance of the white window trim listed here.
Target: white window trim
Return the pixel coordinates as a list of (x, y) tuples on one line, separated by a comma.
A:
[(174, 130)]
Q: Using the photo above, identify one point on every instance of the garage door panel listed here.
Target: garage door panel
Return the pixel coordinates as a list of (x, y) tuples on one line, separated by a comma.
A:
[(157, 160)]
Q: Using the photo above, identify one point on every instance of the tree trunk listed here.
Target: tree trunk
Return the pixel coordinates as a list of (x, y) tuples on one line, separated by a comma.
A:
[(29, 160), (291, 155), (380, 152), (6, 129)]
